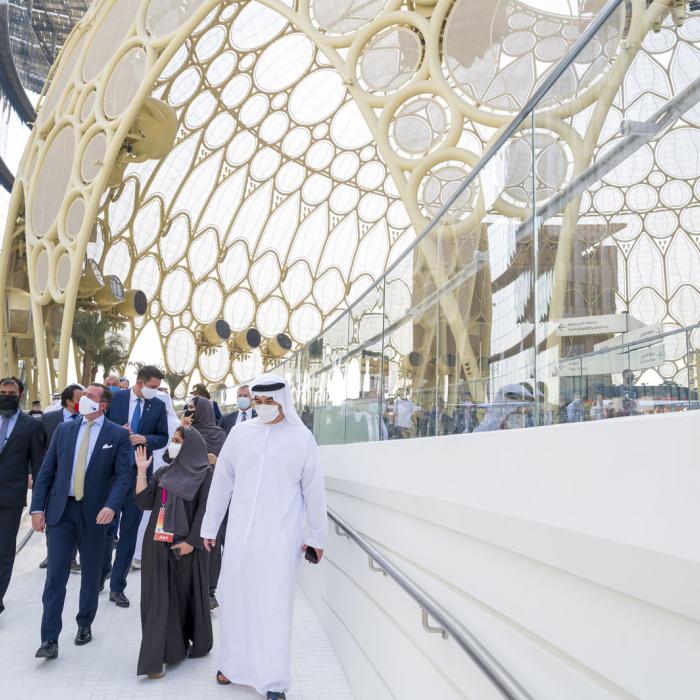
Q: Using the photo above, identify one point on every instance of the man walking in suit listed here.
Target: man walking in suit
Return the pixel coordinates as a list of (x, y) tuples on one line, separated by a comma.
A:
[(245, 411), (144, 415), (81, 486), (70, 398), (20, 459)]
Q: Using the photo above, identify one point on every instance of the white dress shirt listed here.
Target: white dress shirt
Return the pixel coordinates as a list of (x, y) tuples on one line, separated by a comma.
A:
[(248, 415), (132, 404), (94, 432), (67, 416)]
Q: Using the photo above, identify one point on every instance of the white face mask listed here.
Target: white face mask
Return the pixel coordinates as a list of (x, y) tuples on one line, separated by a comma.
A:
[(267, 413), (174, 449), (87, 406), (149, 393)]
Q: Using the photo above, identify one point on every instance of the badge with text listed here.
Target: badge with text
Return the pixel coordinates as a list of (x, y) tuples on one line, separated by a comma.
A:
[(161, 535)]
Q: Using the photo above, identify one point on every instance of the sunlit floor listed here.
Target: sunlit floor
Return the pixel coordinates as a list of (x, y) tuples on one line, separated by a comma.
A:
[(106, 668)]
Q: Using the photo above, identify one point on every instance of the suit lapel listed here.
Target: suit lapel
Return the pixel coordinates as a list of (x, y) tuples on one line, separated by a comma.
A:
[(17, 429)]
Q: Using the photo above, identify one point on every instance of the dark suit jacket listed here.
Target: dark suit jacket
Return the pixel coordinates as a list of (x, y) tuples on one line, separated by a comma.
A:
[(21, 456), (109, 474), (229, 420), (49, 422), (154, 419)]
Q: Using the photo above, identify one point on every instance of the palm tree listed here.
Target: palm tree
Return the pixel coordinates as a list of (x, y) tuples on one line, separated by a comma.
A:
[(97, 343), (173, 380)]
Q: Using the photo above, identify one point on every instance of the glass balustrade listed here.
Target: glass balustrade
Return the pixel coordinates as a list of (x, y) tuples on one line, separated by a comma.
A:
[(558, 278)]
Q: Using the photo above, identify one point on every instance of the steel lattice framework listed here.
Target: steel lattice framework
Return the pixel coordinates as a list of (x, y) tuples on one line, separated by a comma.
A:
[(313, 139)]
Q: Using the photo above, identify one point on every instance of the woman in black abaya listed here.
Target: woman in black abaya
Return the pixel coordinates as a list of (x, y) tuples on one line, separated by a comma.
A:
[(175, 613), (202, 419)]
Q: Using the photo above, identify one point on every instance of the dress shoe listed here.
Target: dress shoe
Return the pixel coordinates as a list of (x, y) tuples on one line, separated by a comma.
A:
[(74, 567), (271, 695), (47, 650), (120, 599), (84, 636), (44, 563), (213, 602)]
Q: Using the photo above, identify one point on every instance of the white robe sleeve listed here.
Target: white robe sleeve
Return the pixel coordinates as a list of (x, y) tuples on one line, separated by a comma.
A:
[(220, 490), (313, 493)]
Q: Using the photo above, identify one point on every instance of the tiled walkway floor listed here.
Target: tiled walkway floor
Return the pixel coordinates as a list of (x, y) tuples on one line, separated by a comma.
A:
[(106, 668)]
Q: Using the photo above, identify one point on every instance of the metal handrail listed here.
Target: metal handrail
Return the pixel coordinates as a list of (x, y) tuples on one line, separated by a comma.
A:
[(545, 86), (449, 626)]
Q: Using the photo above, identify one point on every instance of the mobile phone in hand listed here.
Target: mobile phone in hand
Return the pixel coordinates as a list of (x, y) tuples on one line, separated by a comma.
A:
[(311, 555)]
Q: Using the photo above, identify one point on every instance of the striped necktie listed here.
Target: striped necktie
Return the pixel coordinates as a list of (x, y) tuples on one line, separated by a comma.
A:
[(81, 464)]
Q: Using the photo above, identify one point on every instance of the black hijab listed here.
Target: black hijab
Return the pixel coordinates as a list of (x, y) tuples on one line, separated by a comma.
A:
[(182, 479), (204, 422)]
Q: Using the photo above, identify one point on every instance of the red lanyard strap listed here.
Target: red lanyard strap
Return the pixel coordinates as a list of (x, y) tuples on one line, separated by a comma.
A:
[(163, 496)]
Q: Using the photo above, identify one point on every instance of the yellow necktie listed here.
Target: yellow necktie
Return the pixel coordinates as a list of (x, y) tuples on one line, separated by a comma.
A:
[(81, 464)]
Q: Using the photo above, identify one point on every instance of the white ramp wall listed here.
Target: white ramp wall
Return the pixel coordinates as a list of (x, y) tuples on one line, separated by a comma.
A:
[(572, 552)]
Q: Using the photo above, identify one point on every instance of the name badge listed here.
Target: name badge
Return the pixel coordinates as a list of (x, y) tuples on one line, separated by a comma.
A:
[(160, 534)]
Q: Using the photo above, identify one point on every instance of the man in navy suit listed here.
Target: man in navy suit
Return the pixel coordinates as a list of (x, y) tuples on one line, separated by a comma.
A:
[(245, 411), (20, 459), (70, 398), (82, 483), (144, 415)]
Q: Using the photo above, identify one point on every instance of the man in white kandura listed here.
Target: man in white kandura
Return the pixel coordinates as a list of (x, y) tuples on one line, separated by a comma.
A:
[(269, 470)]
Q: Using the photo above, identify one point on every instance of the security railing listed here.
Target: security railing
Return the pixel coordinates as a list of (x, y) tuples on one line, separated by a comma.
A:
[(449, 627), (559, 280)]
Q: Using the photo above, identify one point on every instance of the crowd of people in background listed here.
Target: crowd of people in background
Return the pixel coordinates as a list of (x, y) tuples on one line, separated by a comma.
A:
[(121, 481)]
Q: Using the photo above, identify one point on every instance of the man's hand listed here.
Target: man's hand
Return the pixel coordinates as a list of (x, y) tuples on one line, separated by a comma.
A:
[(30, 482), (183, 547), (38, 522), (127, 426), (105, 516), (137, 439), (208, 543), (211, 457), (319, 552)]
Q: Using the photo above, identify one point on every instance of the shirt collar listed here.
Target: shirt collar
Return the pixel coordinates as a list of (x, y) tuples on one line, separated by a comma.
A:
[(132, 396), (67, 415), (98, 421)]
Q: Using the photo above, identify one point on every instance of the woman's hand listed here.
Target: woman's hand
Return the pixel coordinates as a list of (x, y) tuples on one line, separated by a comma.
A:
[(183, 547), (142, 461), (212, 458), (186, 421), (208, 543)]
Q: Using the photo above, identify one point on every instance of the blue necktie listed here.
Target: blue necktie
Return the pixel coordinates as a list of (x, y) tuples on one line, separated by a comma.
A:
[(3, 431), (243, 416), (136, 418)]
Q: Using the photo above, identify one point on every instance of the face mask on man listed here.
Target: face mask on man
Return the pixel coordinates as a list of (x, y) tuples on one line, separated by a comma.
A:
[(243, 403), (267, 412), (9, 403), (174, 449), (149, 393), (87, 406)]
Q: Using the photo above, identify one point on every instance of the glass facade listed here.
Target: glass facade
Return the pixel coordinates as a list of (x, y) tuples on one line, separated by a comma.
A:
[(562, 285)]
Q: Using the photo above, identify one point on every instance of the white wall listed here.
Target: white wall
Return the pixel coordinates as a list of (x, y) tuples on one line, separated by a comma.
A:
[(573, 552)]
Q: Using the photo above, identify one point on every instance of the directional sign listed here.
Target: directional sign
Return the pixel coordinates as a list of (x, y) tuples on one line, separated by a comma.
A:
[(592, 325), (639, 334)]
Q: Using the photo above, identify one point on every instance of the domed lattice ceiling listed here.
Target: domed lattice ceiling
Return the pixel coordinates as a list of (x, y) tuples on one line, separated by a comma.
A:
[(313, 139)]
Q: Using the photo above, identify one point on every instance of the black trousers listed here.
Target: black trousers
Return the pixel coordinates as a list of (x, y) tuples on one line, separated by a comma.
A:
[(128, 530), (9, 527), (72, 527)]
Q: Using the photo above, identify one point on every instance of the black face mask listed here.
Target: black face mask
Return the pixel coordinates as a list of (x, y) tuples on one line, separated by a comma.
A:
[(9, 403)]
